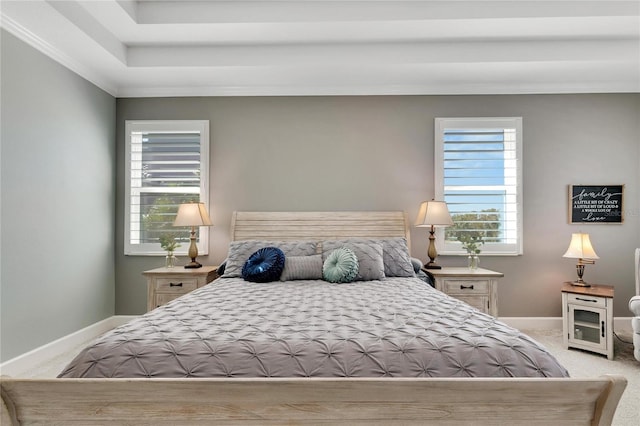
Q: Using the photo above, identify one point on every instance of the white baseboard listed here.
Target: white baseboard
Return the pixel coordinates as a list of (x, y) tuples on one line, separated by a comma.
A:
[(550, 323), (15, 367), (533, 323)]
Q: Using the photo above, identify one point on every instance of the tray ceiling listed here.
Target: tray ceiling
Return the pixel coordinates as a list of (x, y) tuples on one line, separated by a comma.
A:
[(241, 48)]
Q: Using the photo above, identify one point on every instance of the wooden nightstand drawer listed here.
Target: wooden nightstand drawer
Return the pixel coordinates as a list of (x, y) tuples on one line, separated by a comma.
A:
[(176, 284), (162, 298), (481, 303), (586, 300), (466, 286)]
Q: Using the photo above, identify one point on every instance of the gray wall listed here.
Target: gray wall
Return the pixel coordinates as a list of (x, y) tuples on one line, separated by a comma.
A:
[(58, 196), (376, 153), (59, 164)]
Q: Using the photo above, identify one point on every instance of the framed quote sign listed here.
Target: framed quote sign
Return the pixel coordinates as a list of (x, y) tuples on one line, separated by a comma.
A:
[(595, 203)]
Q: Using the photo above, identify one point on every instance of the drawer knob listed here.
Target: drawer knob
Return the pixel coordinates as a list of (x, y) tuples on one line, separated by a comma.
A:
[(175, 284), (466, 287), (586, 300)]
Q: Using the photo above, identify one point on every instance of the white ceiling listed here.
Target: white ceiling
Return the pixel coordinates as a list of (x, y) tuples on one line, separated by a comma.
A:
[(299, 47)]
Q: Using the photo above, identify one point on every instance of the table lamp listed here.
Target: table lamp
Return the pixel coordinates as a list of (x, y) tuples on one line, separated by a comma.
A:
[(431, 214), (580, 248), (192, 214)]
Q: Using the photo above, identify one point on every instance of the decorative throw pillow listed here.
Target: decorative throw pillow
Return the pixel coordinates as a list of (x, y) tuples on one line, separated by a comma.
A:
[(302, 268), (370, 261), (239, 252), (264, 265), (395, 254), (341, 266), (397, 260)]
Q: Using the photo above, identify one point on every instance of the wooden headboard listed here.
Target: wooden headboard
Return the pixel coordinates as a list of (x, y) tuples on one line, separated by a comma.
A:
[(318, 225)]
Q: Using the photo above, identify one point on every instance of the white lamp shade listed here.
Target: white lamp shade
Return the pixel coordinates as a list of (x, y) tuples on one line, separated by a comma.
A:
[(192, 214), (580, 247), (433, 213)]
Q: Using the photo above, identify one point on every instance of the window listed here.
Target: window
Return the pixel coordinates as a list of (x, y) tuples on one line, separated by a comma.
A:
[(167, 164), (478, 173)]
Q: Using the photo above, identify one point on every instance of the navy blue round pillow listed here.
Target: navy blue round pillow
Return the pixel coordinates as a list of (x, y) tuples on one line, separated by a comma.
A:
[(264, 266)]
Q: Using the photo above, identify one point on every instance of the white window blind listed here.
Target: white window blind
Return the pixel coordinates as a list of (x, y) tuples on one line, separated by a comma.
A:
[(479, 175), (166, 165)]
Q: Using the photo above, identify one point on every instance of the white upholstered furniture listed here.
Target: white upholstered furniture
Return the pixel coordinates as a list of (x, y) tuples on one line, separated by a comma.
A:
[(634, 306), (299, 400)]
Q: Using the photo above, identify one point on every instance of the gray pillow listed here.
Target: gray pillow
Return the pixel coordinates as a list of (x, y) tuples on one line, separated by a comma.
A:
[(302, 268), (240, 251), (370, 261), (395, 255)]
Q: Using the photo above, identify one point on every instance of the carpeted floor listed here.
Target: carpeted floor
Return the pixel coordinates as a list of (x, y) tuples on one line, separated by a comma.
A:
[(586, 364)]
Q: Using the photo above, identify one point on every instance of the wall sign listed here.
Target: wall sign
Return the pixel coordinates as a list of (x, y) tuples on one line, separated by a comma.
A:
[(595, 203)]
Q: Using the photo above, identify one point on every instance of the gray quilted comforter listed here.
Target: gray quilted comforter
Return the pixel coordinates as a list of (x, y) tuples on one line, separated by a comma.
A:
[(398, 327)]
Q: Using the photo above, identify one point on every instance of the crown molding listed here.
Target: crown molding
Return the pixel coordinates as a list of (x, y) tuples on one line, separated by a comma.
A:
[(57, 55), (375, 90)]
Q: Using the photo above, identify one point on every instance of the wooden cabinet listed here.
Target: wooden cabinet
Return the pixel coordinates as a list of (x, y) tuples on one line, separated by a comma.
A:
[(166, 284), (587, 318), (478, 287)]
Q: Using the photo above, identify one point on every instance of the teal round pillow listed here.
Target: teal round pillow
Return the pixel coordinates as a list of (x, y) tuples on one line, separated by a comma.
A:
[(341, 266)]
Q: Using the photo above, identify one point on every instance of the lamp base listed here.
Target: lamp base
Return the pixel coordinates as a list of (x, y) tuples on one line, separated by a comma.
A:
[(432, 265), (193, 251), (579, 283)]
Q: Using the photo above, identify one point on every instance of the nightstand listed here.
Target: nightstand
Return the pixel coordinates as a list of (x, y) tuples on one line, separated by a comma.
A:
[(166, 284), (587, 318), (477, 287)]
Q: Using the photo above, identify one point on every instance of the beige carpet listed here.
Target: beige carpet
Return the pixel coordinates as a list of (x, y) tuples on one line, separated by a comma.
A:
[(579, 363), (586, 364)]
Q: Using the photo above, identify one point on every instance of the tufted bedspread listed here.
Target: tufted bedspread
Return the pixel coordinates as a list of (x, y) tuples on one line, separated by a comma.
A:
[(398, 327)]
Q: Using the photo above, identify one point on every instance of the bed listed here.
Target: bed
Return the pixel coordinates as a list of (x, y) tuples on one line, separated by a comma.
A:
[(386, 347)]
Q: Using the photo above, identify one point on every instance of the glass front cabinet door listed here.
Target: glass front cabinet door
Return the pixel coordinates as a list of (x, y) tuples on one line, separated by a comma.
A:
[(588, 327)]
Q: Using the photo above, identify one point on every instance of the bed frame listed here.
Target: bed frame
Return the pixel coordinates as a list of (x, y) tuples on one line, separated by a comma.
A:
[(353, 401)]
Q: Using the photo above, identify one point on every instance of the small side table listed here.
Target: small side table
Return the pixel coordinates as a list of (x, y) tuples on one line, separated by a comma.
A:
[(587, 318), (477, 287), (166, 284)]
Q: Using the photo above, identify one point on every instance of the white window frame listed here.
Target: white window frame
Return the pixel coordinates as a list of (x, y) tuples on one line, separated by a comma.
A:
[(455, 248), (166, 126)]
